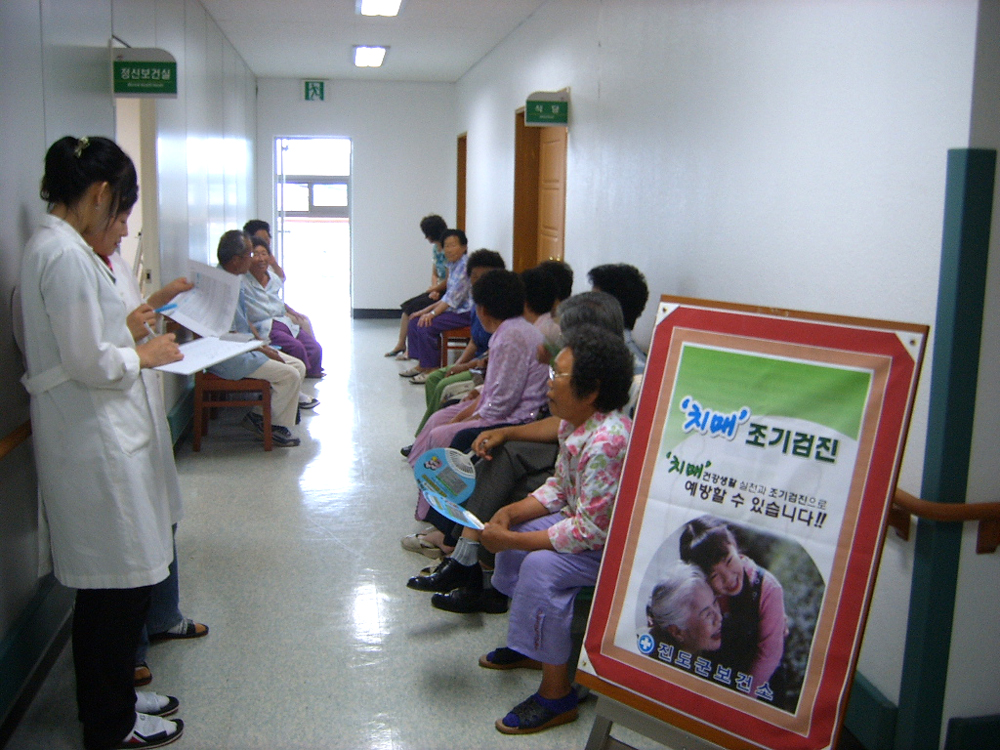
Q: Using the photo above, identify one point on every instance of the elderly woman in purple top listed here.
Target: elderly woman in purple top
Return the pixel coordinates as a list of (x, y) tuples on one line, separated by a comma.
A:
[(451, 311), (515, 384)]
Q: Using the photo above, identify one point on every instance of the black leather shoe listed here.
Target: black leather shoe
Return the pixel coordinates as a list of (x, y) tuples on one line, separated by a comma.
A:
[(405, 450), (466, 600), (449, 575)]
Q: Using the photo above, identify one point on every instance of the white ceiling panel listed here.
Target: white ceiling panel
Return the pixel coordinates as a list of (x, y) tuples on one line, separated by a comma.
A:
[(430, 40)]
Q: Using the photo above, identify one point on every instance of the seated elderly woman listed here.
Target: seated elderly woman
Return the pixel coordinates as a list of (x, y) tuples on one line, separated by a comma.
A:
[(683, 616), (473, 357), (271, 317), (549, 544), (540, 291), (449, 312), (514, 389)]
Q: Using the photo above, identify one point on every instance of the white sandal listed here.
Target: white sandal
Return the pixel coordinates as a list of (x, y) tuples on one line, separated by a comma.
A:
[(419, 544)]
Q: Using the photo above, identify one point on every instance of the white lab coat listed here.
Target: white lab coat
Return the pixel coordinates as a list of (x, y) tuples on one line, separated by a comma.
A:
[(104, 516), (131, 294)]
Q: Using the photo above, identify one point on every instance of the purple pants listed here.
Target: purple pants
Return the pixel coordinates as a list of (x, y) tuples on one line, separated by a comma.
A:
[(424, 344), (542, 585), (304, 347)]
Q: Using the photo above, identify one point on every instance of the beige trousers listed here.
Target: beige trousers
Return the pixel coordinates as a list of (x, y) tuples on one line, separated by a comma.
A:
[(286, 382)]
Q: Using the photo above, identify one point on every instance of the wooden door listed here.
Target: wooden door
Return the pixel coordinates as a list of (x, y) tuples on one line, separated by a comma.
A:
[(460, 182), (539, 193), (551, 194)]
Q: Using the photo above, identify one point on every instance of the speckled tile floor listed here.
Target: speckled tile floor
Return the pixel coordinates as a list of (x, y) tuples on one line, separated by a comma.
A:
[(293, 559)]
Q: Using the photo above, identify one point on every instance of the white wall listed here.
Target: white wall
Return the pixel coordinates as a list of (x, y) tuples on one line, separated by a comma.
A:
[(204, 137), (780, 153), (404, 146)]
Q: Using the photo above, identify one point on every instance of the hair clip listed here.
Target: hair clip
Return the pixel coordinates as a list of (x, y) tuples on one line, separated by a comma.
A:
[(81, 144)]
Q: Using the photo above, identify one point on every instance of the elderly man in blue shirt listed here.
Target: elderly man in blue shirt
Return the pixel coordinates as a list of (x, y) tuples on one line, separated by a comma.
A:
[(284, 373)]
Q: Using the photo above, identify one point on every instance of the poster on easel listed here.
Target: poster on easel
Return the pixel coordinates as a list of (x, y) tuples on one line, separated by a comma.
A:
[(747, 531)]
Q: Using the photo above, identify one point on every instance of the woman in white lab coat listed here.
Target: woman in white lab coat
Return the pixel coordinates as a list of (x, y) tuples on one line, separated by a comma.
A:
[(105, 519)]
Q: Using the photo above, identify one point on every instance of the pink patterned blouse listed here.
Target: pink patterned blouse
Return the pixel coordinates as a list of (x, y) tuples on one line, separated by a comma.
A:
[(585, 482)]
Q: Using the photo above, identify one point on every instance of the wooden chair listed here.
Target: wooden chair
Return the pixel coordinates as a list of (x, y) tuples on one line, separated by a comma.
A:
[(454, 340), (210, 393)]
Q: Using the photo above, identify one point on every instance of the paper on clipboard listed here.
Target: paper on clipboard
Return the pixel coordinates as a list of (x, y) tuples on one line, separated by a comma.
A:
[(205, 352), (209, 307)]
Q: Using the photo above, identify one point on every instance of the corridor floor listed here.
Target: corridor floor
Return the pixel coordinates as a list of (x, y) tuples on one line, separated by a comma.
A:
[(293, 560)]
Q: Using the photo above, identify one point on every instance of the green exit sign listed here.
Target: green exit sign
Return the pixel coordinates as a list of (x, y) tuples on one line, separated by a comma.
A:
[(314, 91), (547, 108)]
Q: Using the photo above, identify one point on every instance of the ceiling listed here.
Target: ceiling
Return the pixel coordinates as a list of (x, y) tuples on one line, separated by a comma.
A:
[(430, 40)]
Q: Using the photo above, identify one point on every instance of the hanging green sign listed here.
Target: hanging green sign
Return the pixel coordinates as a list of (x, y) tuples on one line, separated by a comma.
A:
[(547, 108), (143, 73)]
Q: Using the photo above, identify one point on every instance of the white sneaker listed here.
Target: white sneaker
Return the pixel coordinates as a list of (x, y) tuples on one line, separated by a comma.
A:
[(151, 731), (154, 704)]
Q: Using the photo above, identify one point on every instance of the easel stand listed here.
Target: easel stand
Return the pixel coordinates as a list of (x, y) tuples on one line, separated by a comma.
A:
[(610, 712)]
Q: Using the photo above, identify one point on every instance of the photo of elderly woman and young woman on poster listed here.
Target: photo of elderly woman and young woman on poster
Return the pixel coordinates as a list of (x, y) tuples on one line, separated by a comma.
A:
[(713, 603)]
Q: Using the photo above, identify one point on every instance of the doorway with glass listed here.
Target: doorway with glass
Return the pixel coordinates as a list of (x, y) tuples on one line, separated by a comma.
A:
[(312, 232)]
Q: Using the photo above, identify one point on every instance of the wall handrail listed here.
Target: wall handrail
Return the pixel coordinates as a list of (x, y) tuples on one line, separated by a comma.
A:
[(987, 515), (17, 436)]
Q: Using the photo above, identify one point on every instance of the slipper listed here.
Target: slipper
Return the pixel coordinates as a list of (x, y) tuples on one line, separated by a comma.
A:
[(419, 379), (394, 352), (508, 658), (153, 704), (538, 713), (402, 357), (186, 628), (417, 543), (410, 373)]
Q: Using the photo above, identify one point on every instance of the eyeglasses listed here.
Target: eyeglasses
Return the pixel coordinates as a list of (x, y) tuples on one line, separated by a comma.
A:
[(553, 374)]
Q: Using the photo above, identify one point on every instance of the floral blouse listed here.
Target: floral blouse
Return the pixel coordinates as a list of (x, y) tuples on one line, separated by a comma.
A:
[(585, 483), (458, 295)]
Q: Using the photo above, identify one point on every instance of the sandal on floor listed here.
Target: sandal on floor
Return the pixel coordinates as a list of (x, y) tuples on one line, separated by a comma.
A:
[(410, 373), (508, 658), (419, 544), (394, 352), (151, 731), (186, 628), (538, 713), (419, 379), (153, 704)]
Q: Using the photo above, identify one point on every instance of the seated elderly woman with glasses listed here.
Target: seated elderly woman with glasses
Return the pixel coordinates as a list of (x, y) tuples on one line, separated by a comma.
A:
[(550, 543)]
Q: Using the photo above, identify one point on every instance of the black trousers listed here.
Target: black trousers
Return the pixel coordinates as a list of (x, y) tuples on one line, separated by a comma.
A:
[(106, 628)]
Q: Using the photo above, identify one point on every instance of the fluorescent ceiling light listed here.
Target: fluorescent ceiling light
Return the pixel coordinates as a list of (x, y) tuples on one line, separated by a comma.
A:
[(369, 57), (379, 7)]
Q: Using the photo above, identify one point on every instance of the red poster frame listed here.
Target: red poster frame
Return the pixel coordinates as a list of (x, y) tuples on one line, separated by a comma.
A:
[(705, 710)]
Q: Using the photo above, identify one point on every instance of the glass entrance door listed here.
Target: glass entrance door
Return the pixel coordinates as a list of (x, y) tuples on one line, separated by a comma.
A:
[(313, 230)]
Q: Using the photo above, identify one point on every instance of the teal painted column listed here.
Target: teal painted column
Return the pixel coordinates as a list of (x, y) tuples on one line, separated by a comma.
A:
[(964, 254)]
